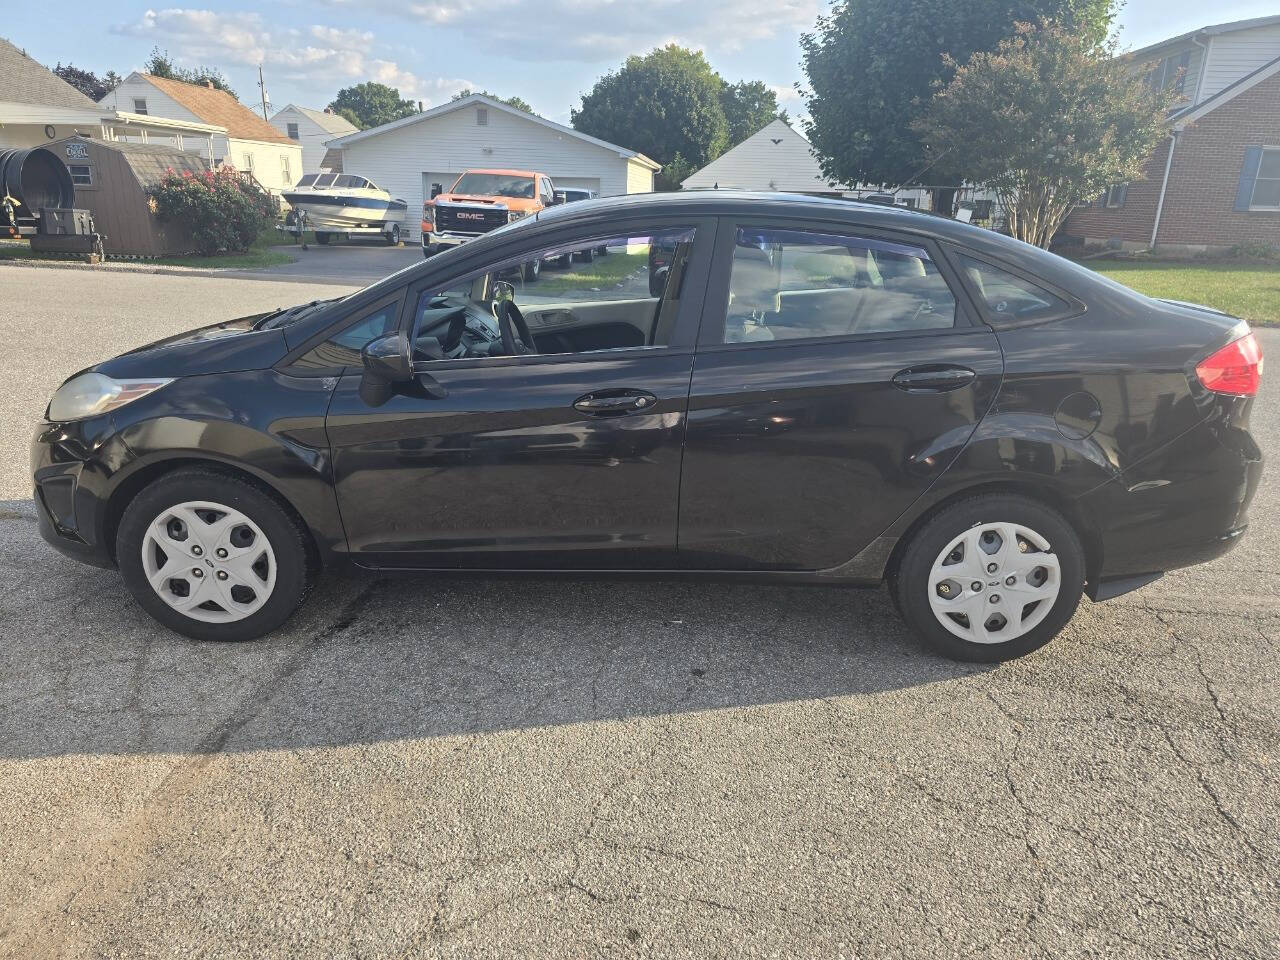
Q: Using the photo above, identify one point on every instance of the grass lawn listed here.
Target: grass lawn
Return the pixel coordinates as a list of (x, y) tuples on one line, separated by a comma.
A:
[(606, 273), (1249, 291)]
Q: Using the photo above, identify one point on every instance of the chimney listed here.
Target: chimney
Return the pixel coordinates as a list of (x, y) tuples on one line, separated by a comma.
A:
[(420, 106), (328, 109), (209, 84)]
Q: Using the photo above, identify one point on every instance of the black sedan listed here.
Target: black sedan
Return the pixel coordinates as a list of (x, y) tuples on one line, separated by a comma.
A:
[(815, 392)]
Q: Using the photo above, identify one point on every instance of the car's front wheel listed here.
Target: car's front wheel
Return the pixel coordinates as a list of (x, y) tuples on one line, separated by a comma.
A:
[(991, 578), (213, 557)]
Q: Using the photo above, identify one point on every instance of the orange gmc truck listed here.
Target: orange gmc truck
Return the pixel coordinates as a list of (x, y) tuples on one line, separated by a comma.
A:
[(480, 201)]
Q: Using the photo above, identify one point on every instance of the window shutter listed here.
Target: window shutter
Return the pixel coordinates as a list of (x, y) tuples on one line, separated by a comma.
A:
[(1248, 174)]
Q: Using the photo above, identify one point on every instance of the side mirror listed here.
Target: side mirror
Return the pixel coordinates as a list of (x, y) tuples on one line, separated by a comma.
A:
[(436, 190), (560, 197), (387, 359), (503, 290)]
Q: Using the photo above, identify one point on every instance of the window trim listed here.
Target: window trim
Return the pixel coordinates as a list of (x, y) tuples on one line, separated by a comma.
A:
[(89, 184), (710, 335), (1076, 306), (292, 132), (1109, 197), (1256, 208), (140, 111)]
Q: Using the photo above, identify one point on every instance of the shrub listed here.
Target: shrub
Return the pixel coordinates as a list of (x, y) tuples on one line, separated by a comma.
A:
[(224, 214), (1254, 250)]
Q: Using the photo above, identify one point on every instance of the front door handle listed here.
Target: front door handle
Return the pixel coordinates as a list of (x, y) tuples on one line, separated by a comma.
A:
[(612, 403), (933, 378)]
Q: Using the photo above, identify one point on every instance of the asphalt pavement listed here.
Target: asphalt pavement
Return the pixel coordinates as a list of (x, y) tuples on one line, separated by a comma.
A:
[(425, 767)]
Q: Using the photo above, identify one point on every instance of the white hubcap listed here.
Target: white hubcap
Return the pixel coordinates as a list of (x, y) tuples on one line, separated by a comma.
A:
[(209, 561), (994, 582)]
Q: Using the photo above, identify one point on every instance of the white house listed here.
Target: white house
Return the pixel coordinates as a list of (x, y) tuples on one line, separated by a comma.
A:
[(247, 142), (39, 107), (313, 129), (407, 156), (774, 158)]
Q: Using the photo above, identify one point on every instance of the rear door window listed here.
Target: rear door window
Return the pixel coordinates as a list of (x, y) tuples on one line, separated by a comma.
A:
[(788, 284)]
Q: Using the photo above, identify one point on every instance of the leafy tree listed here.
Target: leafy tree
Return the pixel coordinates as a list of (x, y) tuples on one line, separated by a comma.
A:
[(161, 65), (749, 105), (872, 65), (1048, 119), (372, 104), (666, 103), (518, 102), (86, 81)]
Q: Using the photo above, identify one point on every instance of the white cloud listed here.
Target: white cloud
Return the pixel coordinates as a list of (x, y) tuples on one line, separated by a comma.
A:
[(593, 30), (320, 58)]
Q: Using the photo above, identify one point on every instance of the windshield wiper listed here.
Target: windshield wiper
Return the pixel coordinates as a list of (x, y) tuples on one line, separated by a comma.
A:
[(291, 314)]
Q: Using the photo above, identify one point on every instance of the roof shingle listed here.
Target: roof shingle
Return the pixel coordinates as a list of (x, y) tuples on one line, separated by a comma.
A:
[(219, 108), (22, 80)]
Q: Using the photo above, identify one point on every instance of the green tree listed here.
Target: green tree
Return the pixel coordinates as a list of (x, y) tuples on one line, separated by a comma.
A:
[(1047, 119), (666, 104), (749, 105), (160, 64), (518, 102), (86, 81), (372, 104), (872, 65)]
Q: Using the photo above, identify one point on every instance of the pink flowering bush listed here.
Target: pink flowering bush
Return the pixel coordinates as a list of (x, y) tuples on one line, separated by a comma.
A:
[(224, 214)]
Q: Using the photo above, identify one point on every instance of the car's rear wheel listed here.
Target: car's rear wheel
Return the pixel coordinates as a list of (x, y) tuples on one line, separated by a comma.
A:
[(529, 271), (322, 237), (392, 236), (991, 578), (587, 256), (213, 557)]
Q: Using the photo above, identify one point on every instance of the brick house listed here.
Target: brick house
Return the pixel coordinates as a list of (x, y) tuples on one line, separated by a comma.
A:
[(1215, 181)]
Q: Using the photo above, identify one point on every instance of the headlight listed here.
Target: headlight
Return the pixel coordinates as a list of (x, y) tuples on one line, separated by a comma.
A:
[(514, 215), (91, 394)]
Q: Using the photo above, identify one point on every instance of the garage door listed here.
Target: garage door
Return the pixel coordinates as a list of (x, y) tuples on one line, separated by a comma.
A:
[(577, 183)]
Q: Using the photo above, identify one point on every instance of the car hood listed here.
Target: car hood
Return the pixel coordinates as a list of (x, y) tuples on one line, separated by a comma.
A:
[(511, 203), (219, 348)]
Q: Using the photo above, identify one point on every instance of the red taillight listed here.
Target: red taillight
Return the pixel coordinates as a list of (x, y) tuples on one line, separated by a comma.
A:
[(1235, 369)]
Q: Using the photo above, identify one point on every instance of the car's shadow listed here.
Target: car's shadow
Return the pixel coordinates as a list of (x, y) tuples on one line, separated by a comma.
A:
[(84, 671)]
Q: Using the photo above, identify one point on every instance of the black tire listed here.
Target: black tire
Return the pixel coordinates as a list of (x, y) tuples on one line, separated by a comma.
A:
[(529, 271), (322, 238), (602, 251), (586, 256), (288, 538), (392, 236), (910, 583)]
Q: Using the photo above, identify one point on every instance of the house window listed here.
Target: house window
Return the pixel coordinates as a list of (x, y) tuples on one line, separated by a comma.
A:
[(1266, 188), (81, 175), (140, 105), (482, 116), (1172, 72), (285, 172), (248, 162), (293, 131), (1116, 194)]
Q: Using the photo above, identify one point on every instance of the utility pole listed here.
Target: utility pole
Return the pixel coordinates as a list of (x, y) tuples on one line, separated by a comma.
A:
[(263, 87)]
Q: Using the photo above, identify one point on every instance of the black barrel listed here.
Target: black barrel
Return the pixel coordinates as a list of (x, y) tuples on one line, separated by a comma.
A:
[(35, 178)]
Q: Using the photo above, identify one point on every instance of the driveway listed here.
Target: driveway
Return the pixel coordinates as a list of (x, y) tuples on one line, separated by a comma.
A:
[(356, 262), (520, 767)]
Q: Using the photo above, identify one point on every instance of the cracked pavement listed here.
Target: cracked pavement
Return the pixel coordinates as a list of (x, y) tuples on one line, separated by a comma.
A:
[(531, 767)]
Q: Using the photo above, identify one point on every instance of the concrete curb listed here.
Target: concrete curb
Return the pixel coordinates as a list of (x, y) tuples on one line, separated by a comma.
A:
[(142, 268)]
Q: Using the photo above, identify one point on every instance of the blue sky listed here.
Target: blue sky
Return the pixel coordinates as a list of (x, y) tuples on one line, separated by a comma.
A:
[(547, 51)]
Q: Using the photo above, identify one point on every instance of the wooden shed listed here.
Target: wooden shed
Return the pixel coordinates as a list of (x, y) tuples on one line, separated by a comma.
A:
[(113, 180)]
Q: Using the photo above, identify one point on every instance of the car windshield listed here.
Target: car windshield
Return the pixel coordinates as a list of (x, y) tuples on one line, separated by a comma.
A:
[(495, 185)]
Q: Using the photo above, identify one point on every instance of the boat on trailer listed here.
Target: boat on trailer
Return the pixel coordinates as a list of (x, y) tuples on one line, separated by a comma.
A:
[(343, 203)]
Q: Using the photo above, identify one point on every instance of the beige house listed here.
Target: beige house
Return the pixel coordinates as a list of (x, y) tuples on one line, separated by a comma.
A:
[(246, 141)]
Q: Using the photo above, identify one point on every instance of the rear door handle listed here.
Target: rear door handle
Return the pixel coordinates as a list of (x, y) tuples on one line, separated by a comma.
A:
[(612, 403), (933, 378)]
